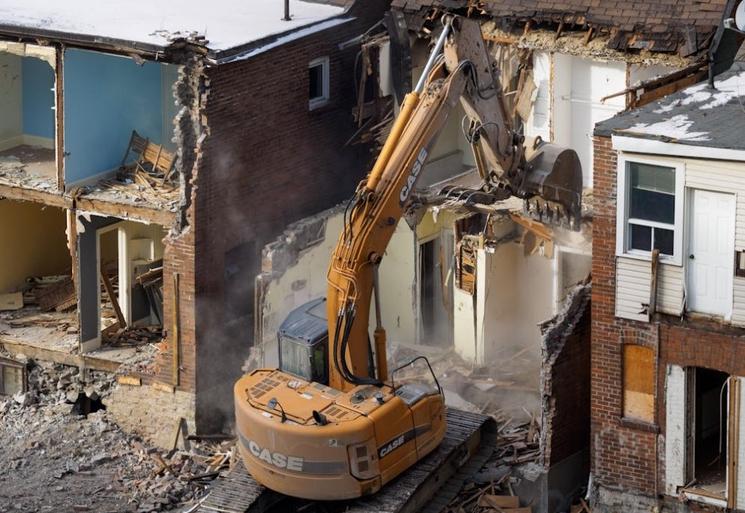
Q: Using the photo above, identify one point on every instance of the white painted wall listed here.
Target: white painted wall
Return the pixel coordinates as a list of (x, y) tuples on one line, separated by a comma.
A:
[(11, 101), (539, 123), (633, 275), (675, 431), (579, 86), (306, 280)]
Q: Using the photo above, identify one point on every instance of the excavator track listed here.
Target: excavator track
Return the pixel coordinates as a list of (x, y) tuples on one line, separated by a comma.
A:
[(427, 487)]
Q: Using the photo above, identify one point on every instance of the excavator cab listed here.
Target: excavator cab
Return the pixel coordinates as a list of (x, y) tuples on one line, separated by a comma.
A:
[(303, 341)]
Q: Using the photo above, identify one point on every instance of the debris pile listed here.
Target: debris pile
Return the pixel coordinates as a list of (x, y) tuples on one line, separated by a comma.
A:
[(57, 437)]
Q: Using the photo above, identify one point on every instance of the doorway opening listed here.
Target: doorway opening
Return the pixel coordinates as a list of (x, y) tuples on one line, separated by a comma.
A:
[(435, 294), (710, 431)]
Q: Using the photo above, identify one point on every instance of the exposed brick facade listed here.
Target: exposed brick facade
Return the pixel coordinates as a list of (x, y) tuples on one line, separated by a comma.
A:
[(626, 455), (268, 161), (569, 404)]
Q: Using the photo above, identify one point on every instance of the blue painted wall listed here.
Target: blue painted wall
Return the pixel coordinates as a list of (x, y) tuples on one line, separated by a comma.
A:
[(38, 98), (106, 97)]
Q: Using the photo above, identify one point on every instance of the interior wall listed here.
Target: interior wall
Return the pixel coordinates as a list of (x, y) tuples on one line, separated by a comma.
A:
[(11, 98), (579, 85), (34, 243), (106, 97), (38, 99)]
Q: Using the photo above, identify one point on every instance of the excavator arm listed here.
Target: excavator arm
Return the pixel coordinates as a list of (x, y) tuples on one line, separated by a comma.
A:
[(460, 69)]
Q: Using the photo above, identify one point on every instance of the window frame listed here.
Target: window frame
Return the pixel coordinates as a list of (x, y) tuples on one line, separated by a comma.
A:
[(623, 233), (320, 101)]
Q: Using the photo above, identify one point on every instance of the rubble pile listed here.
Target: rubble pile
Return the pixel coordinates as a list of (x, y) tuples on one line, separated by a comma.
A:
[(63, 452)]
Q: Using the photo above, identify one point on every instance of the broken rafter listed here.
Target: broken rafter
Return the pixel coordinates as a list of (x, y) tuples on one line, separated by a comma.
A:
[(659, 82), (112, 298)]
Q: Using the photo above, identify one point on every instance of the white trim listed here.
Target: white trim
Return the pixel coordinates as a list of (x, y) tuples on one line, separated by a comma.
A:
[(654, 146), (622, 208), (319, 101)]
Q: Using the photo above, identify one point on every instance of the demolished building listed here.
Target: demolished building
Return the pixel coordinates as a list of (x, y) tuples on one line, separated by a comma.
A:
[(667, 400), (479, 282), (145, 159)]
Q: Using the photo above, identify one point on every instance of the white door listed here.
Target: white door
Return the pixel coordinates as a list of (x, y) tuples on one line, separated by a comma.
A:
[(711, 248)]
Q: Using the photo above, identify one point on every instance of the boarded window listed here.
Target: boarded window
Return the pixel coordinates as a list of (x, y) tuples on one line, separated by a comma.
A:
[(638, 383)]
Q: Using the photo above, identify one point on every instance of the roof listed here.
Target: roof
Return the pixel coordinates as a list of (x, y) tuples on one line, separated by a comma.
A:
[(656, 25), (153, 25), (696, 116)]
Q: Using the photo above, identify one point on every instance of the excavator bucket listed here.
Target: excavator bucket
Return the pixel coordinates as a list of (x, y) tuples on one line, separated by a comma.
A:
[(552, 183)]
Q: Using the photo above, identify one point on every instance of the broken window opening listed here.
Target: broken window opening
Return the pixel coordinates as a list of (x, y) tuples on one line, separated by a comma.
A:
[(28, 120), (318, 82)]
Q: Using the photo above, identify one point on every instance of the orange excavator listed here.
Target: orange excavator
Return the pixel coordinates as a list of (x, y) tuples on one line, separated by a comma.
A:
[(332, 422)]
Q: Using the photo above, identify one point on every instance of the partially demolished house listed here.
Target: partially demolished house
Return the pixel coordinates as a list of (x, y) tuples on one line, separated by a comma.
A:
[(668, 305), (502, 299), (145, 159)]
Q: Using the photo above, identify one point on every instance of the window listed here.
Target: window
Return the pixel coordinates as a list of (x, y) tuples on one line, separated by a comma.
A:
[(650, 209), (318, 82), (638, 383)]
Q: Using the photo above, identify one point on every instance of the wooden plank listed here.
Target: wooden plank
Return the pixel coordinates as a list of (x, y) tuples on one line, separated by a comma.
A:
[(129, 380), (126, 211), (11, 301), (499, 501), (112, 297)]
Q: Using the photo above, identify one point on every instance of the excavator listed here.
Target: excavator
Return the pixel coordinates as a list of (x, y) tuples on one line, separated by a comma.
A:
[(333, 422)]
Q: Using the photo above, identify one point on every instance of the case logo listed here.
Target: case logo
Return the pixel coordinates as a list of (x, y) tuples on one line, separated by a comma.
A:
[(411, 180), (277, 459)]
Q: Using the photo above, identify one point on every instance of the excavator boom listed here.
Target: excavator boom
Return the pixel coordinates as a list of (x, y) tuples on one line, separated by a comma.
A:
[(333, 423)]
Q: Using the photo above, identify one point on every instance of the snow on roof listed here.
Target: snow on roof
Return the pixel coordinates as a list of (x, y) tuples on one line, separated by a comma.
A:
[(224, 23), (697, 115)]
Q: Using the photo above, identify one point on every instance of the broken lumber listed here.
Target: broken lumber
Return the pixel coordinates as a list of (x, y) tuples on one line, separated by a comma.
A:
[(112, 297)]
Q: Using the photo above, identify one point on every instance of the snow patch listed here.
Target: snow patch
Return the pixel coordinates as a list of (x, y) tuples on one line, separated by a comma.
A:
[(707, 98), (225, 23), (677, 127)]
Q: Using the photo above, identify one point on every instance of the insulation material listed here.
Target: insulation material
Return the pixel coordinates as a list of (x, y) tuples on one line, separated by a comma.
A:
[(638, 383), (45, 53)]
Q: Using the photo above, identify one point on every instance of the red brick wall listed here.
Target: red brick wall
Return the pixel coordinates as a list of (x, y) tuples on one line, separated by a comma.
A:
[(570, 395), (624, 453), (267, 162)]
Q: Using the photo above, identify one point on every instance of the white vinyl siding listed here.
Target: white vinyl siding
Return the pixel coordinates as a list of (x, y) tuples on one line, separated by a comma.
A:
[(633, 279), (633, 275)]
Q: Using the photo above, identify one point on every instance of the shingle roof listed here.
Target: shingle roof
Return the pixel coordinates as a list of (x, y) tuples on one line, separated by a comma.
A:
[(657, 25), (696, 116)]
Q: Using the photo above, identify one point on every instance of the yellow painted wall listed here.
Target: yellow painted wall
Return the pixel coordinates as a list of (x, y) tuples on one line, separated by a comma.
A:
[(33, 243)]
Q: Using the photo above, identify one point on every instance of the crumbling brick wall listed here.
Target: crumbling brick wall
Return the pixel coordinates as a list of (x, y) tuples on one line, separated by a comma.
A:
[(566, 384), (268, 161)]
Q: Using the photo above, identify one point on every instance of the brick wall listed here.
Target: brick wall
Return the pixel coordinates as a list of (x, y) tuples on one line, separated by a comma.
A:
[(624, 453), (570, 394), (267, 162)]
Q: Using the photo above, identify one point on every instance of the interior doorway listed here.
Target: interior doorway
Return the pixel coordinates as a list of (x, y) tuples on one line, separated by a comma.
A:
[(435, 290)]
